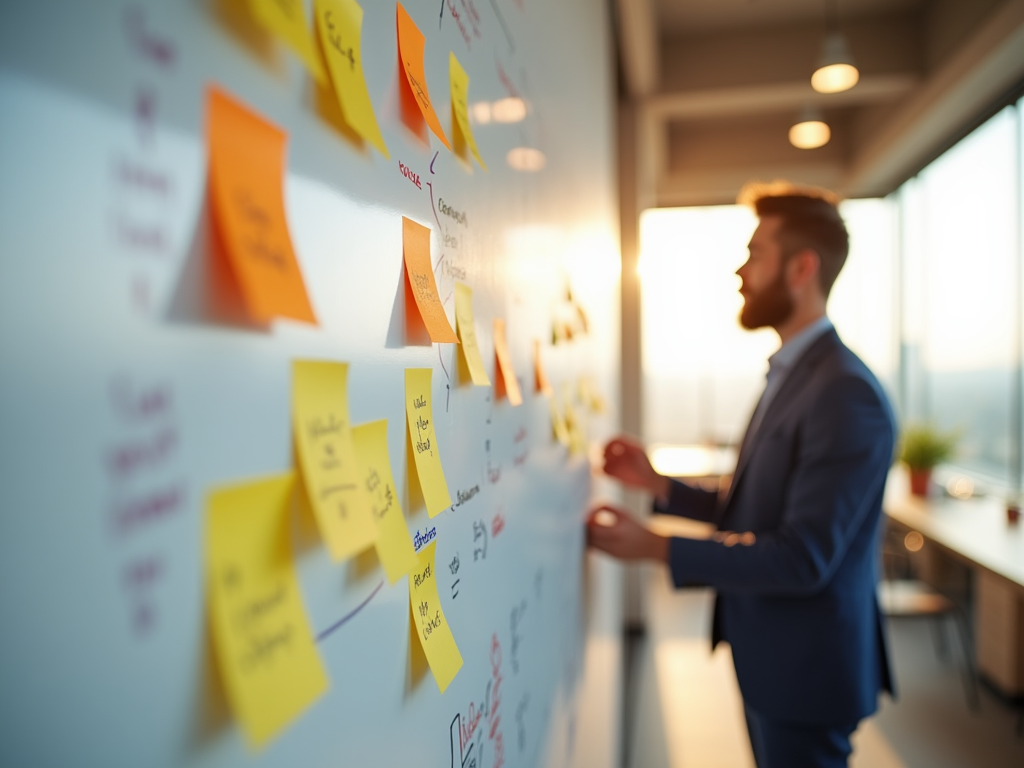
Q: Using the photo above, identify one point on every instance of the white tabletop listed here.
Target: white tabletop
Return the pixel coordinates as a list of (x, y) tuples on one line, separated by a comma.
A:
[(975, 529)]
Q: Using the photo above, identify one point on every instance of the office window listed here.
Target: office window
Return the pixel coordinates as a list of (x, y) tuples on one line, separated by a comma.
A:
[(702, 372), (960, 290), (930, 298)]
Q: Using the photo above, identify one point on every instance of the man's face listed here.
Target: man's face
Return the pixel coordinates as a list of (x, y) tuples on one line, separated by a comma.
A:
[(767, 300)]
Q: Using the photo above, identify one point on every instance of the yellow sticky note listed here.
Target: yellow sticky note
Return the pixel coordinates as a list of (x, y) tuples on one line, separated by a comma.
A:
[(327, 459), (590, 397), (462, 133), (541, 383), (508, 386), (410, 52), (394, 547), (287, 20), (561, 431), (420, 276), (429, 620), (577, 433), (466, 329), (419, 413), (263, 642), (340, 25), (246, 160)]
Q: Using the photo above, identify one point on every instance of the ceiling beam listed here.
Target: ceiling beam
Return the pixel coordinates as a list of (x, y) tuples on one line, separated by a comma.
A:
[(638, 38), (719, 187), (775, 97), (986, 66)]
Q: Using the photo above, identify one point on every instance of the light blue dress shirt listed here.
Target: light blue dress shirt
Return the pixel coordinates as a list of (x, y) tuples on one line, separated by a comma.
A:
[(780, 364)]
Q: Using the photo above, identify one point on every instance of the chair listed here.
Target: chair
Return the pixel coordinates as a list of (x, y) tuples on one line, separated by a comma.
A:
[(902, 598)]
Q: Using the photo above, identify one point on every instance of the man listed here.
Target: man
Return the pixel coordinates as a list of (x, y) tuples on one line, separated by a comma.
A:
[(795, 558)]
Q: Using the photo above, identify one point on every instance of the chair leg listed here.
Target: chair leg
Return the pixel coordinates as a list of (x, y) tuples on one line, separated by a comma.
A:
[(970, 680)]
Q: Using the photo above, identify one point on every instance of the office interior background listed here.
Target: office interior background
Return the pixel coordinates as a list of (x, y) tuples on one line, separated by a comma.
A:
[(927, 149), (594, 220)]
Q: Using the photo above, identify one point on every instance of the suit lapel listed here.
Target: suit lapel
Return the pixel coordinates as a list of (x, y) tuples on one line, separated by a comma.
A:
[(785, 400)]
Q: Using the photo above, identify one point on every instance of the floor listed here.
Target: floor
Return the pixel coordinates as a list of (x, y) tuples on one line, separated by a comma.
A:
[(687, 711)]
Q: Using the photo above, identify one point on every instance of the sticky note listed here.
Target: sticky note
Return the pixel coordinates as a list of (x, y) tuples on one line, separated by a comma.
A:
[(420, 274), (590, 396), (541, 383), (334, 483), (394, 547), (577, 435), (246, 166), (507, 383), (466, 329), (287, 20), (419, 414), (429, 620), (558, 426), (410, 52), (262, 639), (462, 133), (340, 25)]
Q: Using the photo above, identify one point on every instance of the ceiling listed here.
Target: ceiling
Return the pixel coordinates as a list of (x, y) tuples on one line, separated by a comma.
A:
[(712, 87), (693, 16)]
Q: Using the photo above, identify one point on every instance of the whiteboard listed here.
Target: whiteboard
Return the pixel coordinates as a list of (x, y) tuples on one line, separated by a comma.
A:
[(109, 351)]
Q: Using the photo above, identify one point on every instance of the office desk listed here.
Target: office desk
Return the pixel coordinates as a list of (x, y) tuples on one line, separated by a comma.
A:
[(976, 532)]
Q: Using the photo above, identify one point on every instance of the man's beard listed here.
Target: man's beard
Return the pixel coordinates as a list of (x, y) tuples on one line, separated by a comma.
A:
[(770, 307)]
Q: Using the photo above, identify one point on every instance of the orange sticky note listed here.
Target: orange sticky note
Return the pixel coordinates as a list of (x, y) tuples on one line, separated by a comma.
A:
[(507, 384), (541, 383), (420, 274), (410, 52), (287, 20), (246, 166)]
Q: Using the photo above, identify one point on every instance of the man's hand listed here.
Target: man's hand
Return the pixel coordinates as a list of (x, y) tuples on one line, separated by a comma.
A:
[(614, 531), (626, 461)]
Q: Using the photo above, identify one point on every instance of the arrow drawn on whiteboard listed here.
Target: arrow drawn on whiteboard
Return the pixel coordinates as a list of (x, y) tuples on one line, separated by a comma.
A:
[(351, 614), (432, 206), (504, 26), (442, 364), (438, 151), (440, 17)]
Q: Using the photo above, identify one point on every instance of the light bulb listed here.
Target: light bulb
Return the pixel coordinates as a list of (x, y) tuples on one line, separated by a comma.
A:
[(834, 78), (809, 134), (509, 110), (836, 71), (525, 159)]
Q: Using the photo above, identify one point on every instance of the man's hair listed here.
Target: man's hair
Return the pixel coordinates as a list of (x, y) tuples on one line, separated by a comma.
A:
[(810, 219)]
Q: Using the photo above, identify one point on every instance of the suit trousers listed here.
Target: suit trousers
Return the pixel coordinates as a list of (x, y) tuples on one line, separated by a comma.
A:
[(779, 744)]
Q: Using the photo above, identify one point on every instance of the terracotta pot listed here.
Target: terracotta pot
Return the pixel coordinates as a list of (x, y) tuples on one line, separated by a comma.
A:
[(919, 481)]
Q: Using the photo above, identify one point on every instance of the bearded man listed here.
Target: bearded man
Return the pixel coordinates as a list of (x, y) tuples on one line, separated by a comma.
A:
[(795, 559)]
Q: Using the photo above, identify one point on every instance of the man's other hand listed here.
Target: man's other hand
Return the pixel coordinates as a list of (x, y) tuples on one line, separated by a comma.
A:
[(614, 531), (626, 461)]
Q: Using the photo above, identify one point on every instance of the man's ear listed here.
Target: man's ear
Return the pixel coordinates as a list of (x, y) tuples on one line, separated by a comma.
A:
[(803, 267)]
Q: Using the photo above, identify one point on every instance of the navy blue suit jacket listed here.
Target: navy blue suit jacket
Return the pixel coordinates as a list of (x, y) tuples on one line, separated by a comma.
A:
[(799, 606)]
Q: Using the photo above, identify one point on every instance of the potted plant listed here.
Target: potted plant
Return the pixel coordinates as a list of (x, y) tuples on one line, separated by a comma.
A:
[(924, 446)]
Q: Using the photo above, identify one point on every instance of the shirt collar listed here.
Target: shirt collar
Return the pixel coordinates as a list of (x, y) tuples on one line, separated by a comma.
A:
[(791, 351)]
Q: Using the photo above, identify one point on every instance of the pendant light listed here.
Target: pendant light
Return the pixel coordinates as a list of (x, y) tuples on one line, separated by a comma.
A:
[(810, 131), (836, 71)]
